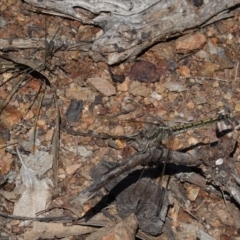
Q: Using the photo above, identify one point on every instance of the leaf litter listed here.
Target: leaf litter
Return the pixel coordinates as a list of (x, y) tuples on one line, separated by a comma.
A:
[(36, 194), (170, 106)]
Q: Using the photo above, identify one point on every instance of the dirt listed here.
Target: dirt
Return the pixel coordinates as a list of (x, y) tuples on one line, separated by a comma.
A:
[(191, 82)]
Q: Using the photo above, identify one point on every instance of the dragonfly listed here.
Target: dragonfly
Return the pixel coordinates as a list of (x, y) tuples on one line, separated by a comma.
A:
[(145, 142), (150, 149)]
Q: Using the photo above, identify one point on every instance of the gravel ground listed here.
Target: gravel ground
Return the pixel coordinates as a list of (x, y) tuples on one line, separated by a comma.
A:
[(186, 79)]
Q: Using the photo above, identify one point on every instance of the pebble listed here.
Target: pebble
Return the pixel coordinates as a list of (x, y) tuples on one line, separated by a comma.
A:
[(79, 93), (102, 85), (215, 84), (202, 54), (190, 105), (4, 133), (162, 67), (189, 43), (48, 135), (137, 89), (14, 222), (72, 168), (144, 71), (81, 150), (207, 69), (10, 116), (220, 104), (174, 86), (41, 123), (156, 96), (199, 100), (237, 108), (192, 192), (3, 22), (124, 87), (184, 71)]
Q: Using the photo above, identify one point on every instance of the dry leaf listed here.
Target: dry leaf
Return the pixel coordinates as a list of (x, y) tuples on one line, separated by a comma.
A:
[(36, 195)]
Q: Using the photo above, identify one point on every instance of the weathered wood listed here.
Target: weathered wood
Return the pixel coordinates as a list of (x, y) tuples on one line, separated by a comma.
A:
[(26, 43), (129, 27)]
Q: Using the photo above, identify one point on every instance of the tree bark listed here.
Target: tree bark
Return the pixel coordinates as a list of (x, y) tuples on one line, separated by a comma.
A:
[(129, 27)]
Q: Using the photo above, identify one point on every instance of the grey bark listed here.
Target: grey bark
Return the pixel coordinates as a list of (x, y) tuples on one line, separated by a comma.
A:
[(129, 27)]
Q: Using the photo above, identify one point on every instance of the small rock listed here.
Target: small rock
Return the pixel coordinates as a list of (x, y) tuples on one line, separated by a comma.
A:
[(165, 50), (100, 142), (228, 96), (72, 168), (174, 86), (74, 110), (137, 89), (5, 161), (225, 237), (144, 71), (200, 100), (160, 88), (189, 43), (4, 133), (117, 78), (222, 58), (120, 143), (6, 75), (81, 150), (117, 131), (237, 108), (171, 98), (41, 123), (215, 84), (10, 116), (172, 65), (102, 85), (162, 67), (14, 222), (34, 85), (16, 229), (79, 93), (192, 192), (99, 33), (207, 69), (225, 217), (48, 100), (74, 55), (48, 135), (190, 105), (65, 80), (212, 48), (156, 96), (124, 87), (202, 54), (220, 104), (184, 71), (29, 115), (3, 22)]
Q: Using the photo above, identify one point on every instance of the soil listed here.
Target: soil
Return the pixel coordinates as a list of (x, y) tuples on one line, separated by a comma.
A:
[(170, 83)]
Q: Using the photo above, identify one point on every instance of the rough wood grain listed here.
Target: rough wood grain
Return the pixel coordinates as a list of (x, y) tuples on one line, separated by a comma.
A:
[(129, 27)]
